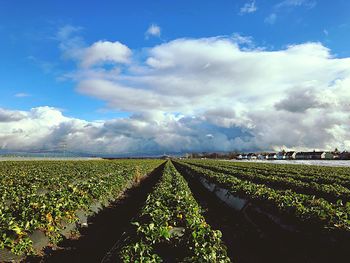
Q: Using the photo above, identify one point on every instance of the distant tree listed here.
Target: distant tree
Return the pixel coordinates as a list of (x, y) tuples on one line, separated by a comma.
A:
[(233, 155), (196, 155)]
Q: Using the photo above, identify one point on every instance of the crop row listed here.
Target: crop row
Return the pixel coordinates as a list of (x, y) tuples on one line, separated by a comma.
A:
[(313, 212), (52, 196), (170, 225), (320, 174), (330, 192)]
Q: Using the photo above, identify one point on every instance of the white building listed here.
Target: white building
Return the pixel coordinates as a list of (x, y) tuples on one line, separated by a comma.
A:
[(272, 156), (251, 156), (281, 156), (291, 155)]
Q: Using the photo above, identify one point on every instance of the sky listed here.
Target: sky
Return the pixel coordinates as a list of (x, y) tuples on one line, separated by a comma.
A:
[(152, 77)]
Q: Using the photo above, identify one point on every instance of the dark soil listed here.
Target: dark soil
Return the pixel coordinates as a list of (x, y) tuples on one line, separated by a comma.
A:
[(105, 228), (253, 238)]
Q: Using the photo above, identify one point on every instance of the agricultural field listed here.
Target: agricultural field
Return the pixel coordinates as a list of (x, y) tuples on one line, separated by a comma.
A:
[(173, 211), (43, 201), (309, 204), (308, 195), (171, 228), (328, 163)]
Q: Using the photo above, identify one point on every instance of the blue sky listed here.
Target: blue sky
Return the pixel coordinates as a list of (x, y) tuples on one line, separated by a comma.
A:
[(39, 67)]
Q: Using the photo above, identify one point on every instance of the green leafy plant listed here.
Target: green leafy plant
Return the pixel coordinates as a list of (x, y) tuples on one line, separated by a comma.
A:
[(171, 220), (247, 182), (47, 195)]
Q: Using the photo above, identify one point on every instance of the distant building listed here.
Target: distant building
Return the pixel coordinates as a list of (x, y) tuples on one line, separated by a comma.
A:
[(281, 155), (272, 156), (344, 155), (336, 156), (314, 155), (251, 156), (291, 155), (262, 156)]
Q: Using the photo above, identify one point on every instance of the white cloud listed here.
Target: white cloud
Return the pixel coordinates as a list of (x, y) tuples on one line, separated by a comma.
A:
[(105, 51), (10, 115), (101, 52), (243, 40), (229, 87), (296, 3), (204, 94), (69, 42), (300, 100), (22, 95), (287, 6), (46, 128), (249, 7), (271, 19), (153, 30), (65, 32)]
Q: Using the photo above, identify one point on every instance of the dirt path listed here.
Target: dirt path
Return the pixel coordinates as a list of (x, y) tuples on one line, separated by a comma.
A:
[(105, 228), (221, 217), (248, 242)]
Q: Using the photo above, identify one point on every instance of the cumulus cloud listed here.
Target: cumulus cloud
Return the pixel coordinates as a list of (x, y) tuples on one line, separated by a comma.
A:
[(249, 7), (153, 30), (10, 115), (74, 47), (105, 51), (46, 128), (251, 92), (299, 100), (205, 94)]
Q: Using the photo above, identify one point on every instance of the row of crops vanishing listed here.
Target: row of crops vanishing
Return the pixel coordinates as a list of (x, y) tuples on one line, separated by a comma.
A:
[(42, 201), (305, 173), (281, 180), (48, 199), (284, 190), (171, 227)]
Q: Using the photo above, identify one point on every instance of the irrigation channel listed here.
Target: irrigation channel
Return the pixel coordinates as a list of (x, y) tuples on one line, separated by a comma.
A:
[(105, 228), (253, 238)]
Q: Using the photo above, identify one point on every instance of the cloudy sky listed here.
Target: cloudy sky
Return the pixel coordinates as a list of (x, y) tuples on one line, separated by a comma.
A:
[(152, 77)]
